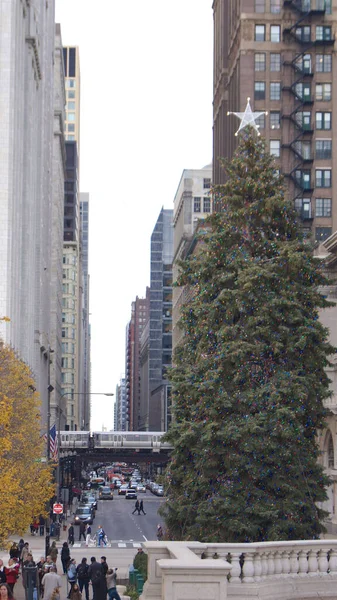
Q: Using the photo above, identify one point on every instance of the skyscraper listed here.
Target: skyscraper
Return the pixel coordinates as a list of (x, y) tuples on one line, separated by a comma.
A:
[(26, 178), (160, 322), (281, 54), (76, 328)]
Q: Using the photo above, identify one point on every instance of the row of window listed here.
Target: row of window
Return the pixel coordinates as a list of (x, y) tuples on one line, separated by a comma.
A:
[(303, 33), (68, 332), (323, 62), (201, 204), (274, 6), (322, 178), (68, 348), (323, 149), (302, 91), (323, 207)]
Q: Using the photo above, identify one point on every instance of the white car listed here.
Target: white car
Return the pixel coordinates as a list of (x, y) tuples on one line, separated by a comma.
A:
[(141, 488)]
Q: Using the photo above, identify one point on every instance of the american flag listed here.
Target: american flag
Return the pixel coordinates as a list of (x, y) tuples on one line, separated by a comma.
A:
[(53, 443)]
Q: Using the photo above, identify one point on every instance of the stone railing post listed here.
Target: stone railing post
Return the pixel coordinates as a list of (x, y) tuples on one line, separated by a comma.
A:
[(153, 585), (197, 579)]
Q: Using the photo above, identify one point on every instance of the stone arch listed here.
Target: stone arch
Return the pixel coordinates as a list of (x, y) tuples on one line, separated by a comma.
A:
[(329, 451)]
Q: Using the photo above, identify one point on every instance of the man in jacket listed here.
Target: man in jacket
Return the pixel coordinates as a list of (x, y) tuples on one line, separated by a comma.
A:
[(97, 578), (50, 581)]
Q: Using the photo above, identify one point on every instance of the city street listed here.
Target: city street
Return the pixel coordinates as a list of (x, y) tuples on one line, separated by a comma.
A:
[(121, 526)]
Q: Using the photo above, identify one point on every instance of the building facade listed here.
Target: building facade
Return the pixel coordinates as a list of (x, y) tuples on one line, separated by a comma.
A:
[(281, 54), (160, 323), (134, 330), (85, 329), (192, 202), (121, 421), (27, 33)]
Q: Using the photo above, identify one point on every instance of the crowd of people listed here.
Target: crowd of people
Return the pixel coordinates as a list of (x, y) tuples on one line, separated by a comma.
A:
[(46, 582)]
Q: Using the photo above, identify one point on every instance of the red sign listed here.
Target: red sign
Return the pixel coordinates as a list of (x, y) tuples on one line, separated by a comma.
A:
[(57, 509)]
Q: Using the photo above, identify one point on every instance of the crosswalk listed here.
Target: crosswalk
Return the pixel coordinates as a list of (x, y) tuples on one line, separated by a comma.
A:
[(112, 544)]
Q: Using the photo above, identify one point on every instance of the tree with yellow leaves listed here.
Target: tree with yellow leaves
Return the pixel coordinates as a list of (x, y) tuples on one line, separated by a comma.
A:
[(26, 481)]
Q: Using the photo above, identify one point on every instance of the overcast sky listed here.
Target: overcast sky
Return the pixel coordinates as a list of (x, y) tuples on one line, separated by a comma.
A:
[(146, 114)]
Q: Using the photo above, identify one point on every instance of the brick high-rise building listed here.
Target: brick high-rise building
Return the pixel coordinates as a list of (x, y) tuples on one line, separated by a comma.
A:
[(134, 330), (281, 54)]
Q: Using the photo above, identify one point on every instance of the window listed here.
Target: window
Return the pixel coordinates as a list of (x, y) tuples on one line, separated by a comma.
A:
[(275, 6), (303, 207), (323, 178), (323, 32), (275, 33), (70, 83), (197, 204), (71, 94), (323, 63), (275, 90), (71, 138), (328, 6), (207, 183), (322, 233), (260, 62), (261, 121), (71, 116), (260, 6), (303, 33), (71, 127), (259, 90), (323, 207), (323, 92), (303, 178), (303, 149), (304, 63), (303, 91), (323, 120), (275, 148), (275, 62), (323, 149), (71, 106), (207, 205), (260, 33), (275, 119)]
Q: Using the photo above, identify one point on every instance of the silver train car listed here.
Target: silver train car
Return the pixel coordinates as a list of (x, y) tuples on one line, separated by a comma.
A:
[(113, 439)]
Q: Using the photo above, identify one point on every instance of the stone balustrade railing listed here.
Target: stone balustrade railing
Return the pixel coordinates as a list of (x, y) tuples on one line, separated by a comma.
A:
[(285, 570)]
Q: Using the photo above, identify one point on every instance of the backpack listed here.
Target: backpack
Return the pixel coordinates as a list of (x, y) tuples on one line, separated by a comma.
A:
[(71, 574), (82, 571)]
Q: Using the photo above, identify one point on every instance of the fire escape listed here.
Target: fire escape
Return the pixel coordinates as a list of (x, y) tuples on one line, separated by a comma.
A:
[(301, 90)]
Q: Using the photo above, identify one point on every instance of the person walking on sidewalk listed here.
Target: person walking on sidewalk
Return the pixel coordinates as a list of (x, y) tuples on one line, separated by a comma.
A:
[(6, 592), (65, 557), (83, 577), (72, 575), (136, 509), (42, 522), (82, 532), (71, 535), (50, 581), (54, 552), (87, 535), (141, 508)]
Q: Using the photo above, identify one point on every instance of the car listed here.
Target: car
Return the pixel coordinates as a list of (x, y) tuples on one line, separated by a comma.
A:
[(123, 489), (133, 485), (141, 488), (159, 491), (105, 493), (89, 499), (83, 514), (131, 494)]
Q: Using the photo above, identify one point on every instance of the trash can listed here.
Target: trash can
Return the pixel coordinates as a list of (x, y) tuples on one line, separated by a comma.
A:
[(132, 575)]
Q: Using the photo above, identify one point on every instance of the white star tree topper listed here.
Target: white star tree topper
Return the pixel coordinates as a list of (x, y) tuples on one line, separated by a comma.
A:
[(248, 117)]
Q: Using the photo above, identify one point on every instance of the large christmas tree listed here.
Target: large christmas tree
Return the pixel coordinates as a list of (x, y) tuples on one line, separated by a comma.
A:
[(249, 379)]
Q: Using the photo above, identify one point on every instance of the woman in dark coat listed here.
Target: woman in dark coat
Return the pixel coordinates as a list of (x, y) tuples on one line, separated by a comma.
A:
[(65, 556)]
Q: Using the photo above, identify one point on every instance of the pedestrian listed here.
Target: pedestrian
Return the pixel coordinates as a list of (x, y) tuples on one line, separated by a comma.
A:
[(159, 533), (87, 535), (14, 551), (104, 565), (111, 582), (141, 508), (12, 573), (53, 552), (30, 580), (82, 531), (6, 592), (72, 575), (2, 572), (71, 533), (75, 593), (35, 525), (19, 549), (65, 557), (42, 522), (83, 577), (50, 581), (136, 508), (101, 536), (40, 574), (96, 577), (24, 552), (47, 564)]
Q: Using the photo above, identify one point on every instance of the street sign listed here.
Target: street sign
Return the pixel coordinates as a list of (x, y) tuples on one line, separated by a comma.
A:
[(57, 509)]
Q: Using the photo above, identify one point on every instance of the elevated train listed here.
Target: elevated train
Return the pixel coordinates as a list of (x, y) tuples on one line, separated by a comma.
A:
[(113, 439)]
